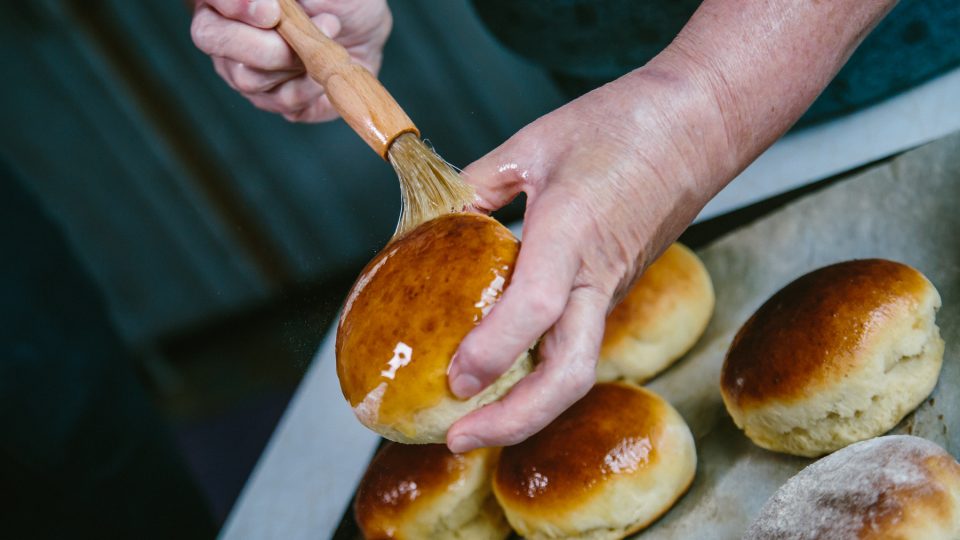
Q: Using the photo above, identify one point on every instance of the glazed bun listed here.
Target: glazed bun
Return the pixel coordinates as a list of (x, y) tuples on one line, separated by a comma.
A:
[(405, 317), (426, 492), (659, 320), (891, 488), (840, 355), (609, 466)]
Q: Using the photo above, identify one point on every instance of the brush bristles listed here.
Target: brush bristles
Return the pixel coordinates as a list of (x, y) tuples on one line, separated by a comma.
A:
[(429, 186)]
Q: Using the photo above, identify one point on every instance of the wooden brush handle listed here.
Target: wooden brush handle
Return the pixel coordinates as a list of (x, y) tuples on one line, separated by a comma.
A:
[(356, 94)]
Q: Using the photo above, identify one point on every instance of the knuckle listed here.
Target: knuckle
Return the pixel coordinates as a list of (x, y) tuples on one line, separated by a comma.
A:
[(247, 81), (580, 377), (514, 431), (296, 98), (200, 32), (581, 383), (483, 363), (291, 101), (468, 356), (270, 52), (232, 9), (387, 25), (545, 305)]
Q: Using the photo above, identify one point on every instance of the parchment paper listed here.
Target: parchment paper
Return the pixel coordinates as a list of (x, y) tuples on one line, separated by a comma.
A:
[(906, 210)]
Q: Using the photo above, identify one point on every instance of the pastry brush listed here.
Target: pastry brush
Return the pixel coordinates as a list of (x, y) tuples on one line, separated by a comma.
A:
[(429, 186)]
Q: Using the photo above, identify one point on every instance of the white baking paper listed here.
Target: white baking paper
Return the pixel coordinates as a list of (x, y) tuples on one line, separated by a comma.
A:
[(906, 210)]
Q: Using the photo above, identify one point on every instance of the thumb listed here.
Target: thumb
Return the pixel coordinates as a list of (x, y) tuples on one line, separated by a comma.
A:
[(531, 304), (497, 177)]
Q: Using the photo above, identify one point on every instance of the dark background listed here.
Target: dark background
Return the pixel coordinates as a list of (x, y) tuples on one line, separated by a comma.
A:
[(223, 238)]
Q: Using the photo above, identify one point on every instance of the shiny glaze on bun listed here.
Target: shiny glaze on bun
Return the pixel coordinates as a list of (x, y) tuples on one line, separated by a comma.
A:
[(410, 308), (814, 330), (616, 429)]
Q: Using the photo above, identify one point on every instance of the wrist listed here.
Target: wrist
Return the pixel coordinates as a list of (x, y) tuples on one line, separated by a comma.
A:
[(693, 116)]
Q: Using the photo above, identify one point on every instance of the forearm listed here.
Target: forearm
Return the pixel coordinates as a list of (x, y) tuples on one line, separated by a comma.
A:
[(747, 70)]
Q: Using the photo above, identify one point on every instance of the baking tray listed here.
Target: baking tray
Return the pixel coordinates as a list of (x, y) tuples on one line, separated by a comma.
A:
[(908, 210)]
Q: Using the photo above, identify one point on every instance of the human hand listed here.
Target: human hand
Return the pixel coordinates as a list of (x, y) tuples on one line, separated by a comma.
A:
[(255, 61), (611, 179)]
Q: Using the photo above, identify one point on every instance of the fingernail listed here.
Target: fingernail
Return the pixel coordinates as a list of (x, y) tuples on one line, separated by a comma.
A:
[(464, 443), (265, 13), (465, 385)]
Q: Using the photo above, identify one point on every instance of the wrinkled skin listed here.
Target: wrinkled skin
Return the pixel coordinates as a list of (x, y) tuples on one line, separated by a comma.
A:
[(611, 178), (600, 207), (255, 61)]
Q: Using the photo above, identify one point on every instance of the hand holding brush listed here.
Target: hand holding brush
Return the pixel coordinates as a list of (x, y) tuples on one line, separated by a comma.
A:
[(429, 186), (614, 176)]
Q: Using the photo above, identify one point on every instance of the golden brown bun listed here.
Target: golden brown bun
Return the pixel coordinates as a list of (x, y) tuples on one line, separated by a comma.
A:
[(659, 320), (888, 488), (406, 315), (426, 492), (608, 466), (840, 355)]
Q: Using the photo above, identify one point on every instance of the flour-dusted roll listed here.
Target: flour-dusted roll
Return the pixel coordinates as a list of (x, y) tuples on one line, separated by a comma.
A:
[(405, 317), (888, 488), (425, 492), (659, 320), (609, 466), (840, 355)]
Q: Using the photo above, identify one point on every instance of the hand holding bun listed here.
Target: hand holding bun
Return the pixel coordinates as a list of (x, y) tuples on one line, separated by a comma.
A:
[(405, 317), (840, 355), (896, 487), (425, 492), (610, 465)]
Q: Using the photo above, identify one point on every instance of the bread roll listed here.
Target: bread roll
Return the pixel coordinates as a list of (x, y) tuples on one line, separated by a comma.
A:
[(889, 488), (426, 492), (659, 320), (610, 465), (840, 355), (405, 317)]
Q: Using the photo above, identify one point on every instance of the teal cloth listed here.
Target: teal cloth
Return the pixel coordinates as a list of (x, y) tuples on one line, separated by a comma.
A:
[(586, 43)]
